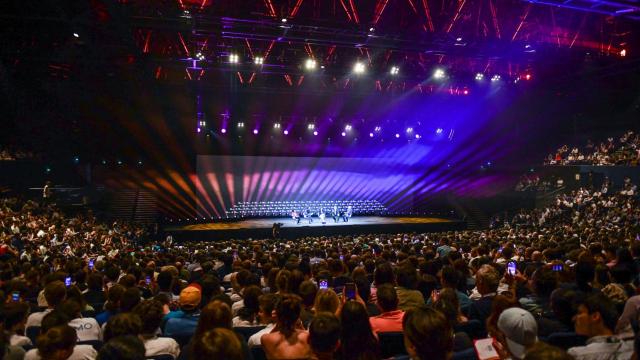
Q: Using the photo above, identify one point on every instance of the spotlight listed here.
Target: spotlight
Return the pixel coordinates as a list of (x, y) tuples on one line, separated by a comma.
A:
[(495, 77), (315, 133), (284, 20), (311, 126), (104, 162), (439, 131), (255, 131), (276, 126), (139, 162), (479, 76), (199, 56), (76, 159), (372, 29), (465, 92), (223, 130), (409, 129), (527, 76), (202, 123), (240, 124), (344, 133), (397, 135), (310, 64), (258, 60), (458, 39), (198, 129), (417, 136), (286, 132), (439, 74), (623, 52), (377, 129), (394, 70), (76, 35), (370, 134), (358, 68), (234, 58), (347, 128)]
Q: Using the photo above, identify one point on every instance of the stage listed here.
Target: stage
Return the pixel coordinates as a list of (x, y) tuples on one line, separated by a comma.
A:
[(262, 228)]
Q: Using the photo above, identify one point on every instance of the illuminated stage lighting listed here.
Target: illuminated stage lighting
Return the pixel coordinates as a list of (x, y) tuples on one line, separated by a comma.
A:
[(479, 76), (240, 124), (397, 135), (372, 29), (439, 74), (255, 131), (258, 60), (439, 131), (347, 128), (495, 78), (234, 58), (198, 129), (623, 52), (459, 39), (223, 130), (310, 64), (465, 92), (394, 70), (276, 126), (315, 133), (286, 132), (527, 76), (202, 123), (370, 134), (200, 56), (359, 68), (76, 35), (344, 133), (377, 129), (409, 129), (311, 126), (284, 20), (418, 136)]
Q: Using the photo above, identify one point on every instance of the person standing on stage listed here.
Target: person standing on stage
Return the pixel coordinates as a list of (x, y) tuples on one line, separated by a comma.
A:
[(335, 213), (347, 214), (322, 215), (307, 214)]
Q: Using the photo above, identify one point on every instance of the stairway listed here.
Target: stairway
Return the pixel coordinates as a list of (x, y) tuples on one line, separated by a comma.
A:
[(133, 205)]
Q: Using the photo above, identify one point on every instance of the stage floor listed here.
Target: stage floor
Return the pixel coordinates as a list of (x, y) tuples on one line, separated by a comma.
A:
[(261, 228)]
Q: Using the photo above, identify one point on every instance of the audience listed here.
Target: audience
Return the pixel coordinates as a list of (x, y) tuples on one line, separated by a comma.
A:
[(288, 340)]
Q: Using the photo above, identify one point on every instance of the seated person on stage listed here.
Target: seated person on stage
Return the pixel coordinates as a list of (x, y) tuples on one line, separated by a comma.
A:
[(308, 214), (335, 213), (347, 214), (295, 215), (288, 340)]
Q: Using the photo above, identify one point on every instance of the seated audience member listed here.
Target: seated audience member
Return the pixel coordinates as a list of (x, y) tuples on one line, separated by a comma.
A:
[(542, 351), (408, 296), (122, 347), (185, 320), (326, 301), (596, 319), (112, 306), (308, 292), (288, 340), (8, 351), (57, 343), (518, 332), (122, 325), (447, 304), (449, 278), (544, 282), (247, 315), (500, 304), (268, 304), (357, 339), (151, 313), (218, 343), (55, 292), (87, 328), (56, 319), (487, 281), (15, 318), (390, 318), (95, 293), (427, 334), (324, 336)]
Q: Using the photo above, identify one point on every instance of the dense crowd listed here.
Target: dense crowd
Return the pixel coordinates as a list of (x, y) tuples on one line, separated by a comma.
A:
[(553, 283), (624, 150)]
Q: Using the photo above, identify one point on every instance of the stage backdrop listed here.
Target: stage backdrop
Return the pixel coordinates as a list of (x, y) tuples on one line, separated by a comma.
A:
[(398, 182)]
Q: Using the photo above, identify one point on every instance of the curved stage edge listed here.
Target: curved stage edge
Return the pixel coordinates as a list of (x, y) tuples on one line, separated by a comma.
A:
[(262, 228)]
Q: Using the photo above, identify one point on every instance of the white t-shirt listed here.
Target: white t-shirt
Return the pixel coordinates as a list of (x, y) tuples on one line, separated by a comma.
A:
[(19, 340), (236, 306), (161, 346), (35, 319), (87, 329), (255, 339), (80, 352)]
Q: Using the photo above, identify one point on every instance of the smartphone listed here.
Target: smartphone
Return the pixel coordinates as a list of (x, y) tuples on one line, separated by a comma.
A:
[(511, 268), (148, 280), (350, 291), (15, 296), (341, 257), (435, 294), (324, 284), (557, 267), (91, 264), (235, 254), (67, 281)]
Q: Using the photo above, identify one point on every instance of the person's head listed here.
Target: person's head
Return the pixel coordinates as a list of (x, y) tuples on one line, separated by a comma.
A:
[(597, 315), (53, 319), (123, 347), (407, 276), (151, 313), (562, 305), (499, 304), (216, 314), (218, 343), (544, 282), (308, 291), (71, 308), (95, 282), (324, 333), (449, 277), (448, 304), (267, 306), (519, 331), (384, 274), (288, 313), (251, 294), (121, 325), (55, 292), (487, 279), (190, 298), (130, 298), (114, 296), (387, 298), (542, 351), (15, 316), (165, 280), (57, 343), (427, 334), (283, 281), (326, 300)]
